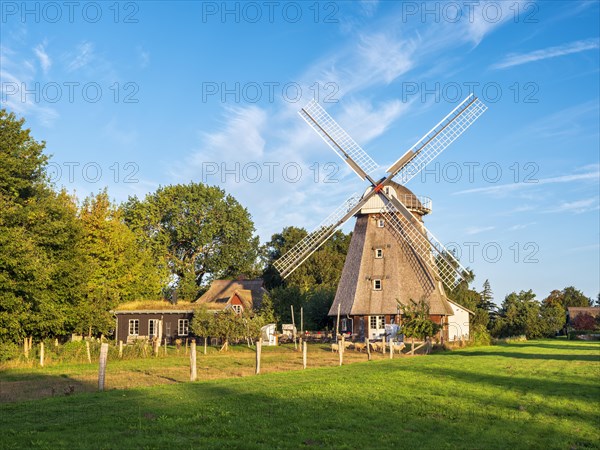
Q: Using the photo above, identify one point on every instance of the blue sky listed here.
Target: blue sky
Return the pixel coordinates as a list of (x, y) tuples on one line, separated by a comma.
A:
[(134, 95)]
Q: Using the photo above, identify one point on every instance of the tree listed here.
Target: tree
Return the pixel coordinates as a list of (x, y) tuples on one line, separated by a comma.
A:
[(568, 297), (119, 268), (323, 268), (228, 326), (41, 265), (203, 323), (198, 231), (415, 320), (519, 315)]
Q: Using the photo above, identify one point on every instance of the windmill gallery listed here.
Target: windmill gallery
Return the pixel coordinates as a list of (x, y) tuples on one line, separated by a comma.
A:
[(393, 259)]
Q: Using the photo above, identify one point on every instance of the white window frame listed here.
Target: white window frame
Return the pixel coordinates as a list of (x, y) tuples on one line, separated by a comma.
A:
[(375, 282), (183, 325), (378, 253), (237, 308), (380, 223), (135, 328), (377, 322), (152, 327)]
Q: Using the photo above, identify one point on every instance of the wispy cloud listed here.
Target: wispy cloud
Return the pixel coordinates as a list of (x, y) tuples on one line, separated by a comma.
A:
[(520, 226), (477, 230), (489, 15), (517, 59), (510, 187), (43, 57), (577, 206), (81, 57)]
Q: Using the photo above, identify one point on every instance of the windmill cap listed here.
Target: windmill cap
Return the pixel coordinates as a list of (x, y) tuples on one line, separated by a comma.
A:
[(417, 204)]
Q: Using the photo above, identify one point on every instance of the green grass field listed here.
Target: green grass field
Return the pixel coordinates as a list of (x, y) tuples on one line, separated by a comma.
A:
[(537, 394)]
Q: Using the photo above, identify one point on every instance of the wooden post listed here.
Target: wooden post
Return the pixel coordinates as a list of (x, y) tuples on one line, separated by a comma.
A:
[(258, 353), (165, 346), (102, 367), (301, 321), (205, 339), (30, 345), (341, 350), (120, 349), (304, 354), (87, 349), (368, 349), (155, 346), (26, 347), (383, 348), (42, 353), (193, 370), (337, 324), (300, 343), (294, 328), (56, 343), (391, 350), (186, 346)]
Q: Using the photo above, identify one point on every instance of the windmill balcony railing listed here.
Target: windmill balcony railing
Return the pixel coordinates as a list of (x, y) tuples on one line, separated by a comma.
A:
[(419, 203)]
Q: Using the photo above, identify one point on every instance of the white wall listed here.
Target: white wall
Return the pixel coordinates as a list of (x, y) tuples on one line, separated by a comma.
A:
[(458, 324)]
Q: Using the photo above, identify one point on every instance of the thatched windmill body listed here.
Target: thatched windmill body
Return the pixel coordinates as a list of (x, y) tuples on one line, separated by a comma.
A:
[(392, 256)]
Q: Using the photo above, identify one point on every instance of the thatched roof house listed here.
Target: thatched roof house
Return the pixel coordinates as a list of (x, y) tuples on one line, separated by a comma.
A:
[(164, 320)]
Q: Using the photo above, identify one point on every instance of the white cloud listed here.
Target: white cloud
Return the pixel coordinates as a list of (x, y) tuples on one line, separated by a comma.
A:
[(43, 57), (550, 52), (82, 57), (486, 16), (577, 206), (510, 187), (478, 230)]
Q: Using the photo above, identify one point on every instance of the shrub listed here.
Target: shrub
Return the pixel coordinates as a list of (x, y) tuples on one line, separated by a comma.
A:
[(584, 322), (9, 350), (481, 336)]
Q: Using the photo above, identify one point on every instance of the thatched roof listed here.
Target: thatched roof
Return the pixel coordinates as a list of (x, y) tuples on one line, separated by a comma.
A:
[(154, 305), (575, 311), (402, 274), (220, 292)]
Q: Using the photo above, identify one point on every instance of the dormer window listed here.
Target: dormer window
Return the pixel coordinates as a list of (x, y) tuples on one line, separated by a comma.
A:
[(378, 253), (237, 308)]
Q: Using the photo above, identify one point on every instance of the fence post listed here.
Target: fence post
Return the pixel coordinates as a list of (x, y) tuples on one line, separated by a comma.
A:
[(368, 349), (205, 338), (294, 328), (391, 350), (304, 354), (87, 349), (102, 367), (25, 347), (120, 349), (341, 350), (258, 352), (165, 346), (193, 370), (42, 353)]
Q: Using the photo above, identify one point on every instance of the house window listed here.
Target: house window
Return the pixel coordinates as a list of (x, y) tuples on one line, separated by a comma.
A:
[(380, 223), (153, 327), (134, 327), (378, 253), (377, 285), (237, 308), (377, 322), (183, 327)]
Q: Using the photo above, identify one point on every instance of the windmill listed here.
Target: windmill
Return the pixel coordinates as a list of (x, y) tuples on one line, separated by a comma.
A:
[(392, 255)]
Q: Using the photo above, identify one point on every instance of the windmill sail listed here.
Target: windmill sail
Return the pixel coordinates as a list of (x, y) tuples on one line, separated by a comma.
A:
[(437, 139), (311, 242), (440, 261), (340, 141)]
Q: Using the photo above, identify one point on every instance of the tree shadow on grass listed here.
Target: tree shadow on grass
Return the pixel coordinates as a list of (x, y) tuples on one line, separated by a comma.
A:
[(42, 386), (279, 411), (523, 355)]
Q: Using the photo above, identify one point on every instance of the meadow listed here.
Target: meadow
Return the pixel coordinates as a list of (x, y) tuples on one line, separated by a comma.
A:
[(535, 394)]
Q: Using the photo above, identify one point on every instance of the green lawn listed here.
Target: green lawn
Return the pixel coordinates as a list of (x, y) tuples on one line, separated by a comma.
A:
[(537, 394)]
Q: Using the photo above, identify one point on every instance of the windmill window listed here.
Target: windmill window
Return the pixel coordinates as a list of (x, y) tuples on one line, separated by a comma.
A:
[(378, 253), (183, 327), (380, 223), (377, 285), (134, 327), (387, 190)]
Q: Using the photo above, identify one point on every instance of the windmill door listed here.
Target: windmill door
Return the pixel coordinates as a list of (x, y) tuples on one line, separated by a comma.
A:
[(376, 326)]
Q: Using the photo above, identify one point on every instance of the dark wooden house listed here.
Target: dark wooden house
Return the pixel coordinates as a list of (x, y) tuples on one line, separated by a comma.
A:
[(164, 320)]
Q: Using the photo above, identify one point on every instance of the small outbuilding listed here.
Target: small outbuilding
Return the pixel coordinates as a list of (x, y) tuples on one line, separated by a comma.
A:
[(458, 325)]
